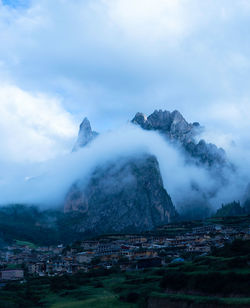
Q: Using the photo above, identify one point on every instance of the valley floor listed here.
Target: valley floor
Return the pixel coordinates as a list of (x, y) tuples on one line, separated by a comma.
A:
[(218, 280)]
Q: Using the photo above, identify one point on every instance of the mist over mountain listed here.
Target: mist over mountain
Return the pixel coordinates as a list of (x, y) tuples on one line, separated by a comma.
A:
[(156, 166), (124, 192), (107, 61), (176, 129), (186, 137)]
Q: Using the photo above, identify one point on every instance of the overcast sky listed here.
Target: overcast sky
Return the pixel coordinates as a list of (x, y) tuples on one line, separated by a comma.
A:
[(62, 60)]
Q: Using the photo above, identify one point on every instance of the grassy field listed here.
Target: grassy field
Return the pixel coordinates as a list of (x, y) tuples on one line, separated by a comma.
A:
[(25, 243), (205, 299), (86, 297), (125, 290), (98, 293)]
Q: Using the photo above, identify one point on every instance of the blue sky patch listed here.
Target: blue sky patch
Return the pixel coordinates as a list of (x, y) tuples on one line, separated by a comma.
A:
[(16, 3)]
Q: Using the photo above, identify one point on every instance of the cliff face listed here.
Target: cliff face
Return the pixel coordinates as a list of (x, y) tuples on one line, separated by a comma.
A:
[(185, 136), (122, 196), (176, 129), (128, 194)]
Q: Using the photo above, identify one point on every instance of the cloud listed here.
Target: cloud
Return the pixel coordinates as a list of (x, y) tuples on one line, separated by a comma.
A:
[(47, 183), (148, 21), (114, 58), (33, 127), (107, 59)]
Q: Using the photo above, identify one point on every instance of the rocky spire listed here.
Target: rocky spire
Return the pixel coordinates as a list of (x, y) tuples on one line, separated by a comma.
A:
[(85, 134)]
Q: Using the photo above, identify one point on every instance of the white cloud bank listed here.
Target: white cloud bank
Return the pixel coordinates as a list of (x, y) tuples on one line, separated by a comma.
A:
[(33, 127), (117, 57), (47, 183)]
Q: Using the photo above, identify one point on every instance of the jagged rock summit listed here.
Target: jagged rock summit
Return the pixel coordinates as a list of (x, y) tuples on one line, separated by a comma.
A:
[(127, 194), (176, 129), (172, 123), (123, 195), (85, 135)]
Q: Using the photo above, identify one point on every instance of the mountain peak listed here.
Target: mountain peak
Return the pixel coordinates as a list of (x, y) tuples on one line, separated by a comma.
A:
[(85, 125), (139, 118), (174, 127), (163, 120), (85, 135), (177, 116)]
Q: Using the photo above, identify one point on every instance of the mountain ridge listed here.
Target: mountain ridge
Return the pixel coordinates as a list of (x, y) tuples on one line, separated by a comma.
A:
[(174, 127), (132, 188), (91, 195)]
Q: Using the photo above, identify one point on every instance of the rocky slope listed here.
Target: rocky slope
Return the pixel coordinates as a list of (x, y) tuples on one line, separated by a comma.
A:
[(129, 193), (176, 129), (124, 195), (185, 136)]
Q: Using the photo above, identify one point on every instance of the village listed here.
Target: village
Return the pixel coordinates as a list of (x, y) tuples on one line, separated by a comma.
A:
[(126, 252)]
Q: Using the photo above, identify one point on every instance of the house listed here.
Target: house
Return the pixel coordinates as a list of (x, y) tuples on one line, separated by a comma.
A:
[(84, 257), (205, 229), (199, 248), (136, 239), (14, 274), (89, 244), (107, 249), (31, 268), (143, 254), (36, 268)]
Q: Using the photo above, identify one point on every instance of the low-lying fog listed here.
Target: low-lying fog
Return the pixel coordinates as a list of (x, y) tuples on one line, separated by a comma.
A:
[(46, 183)]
